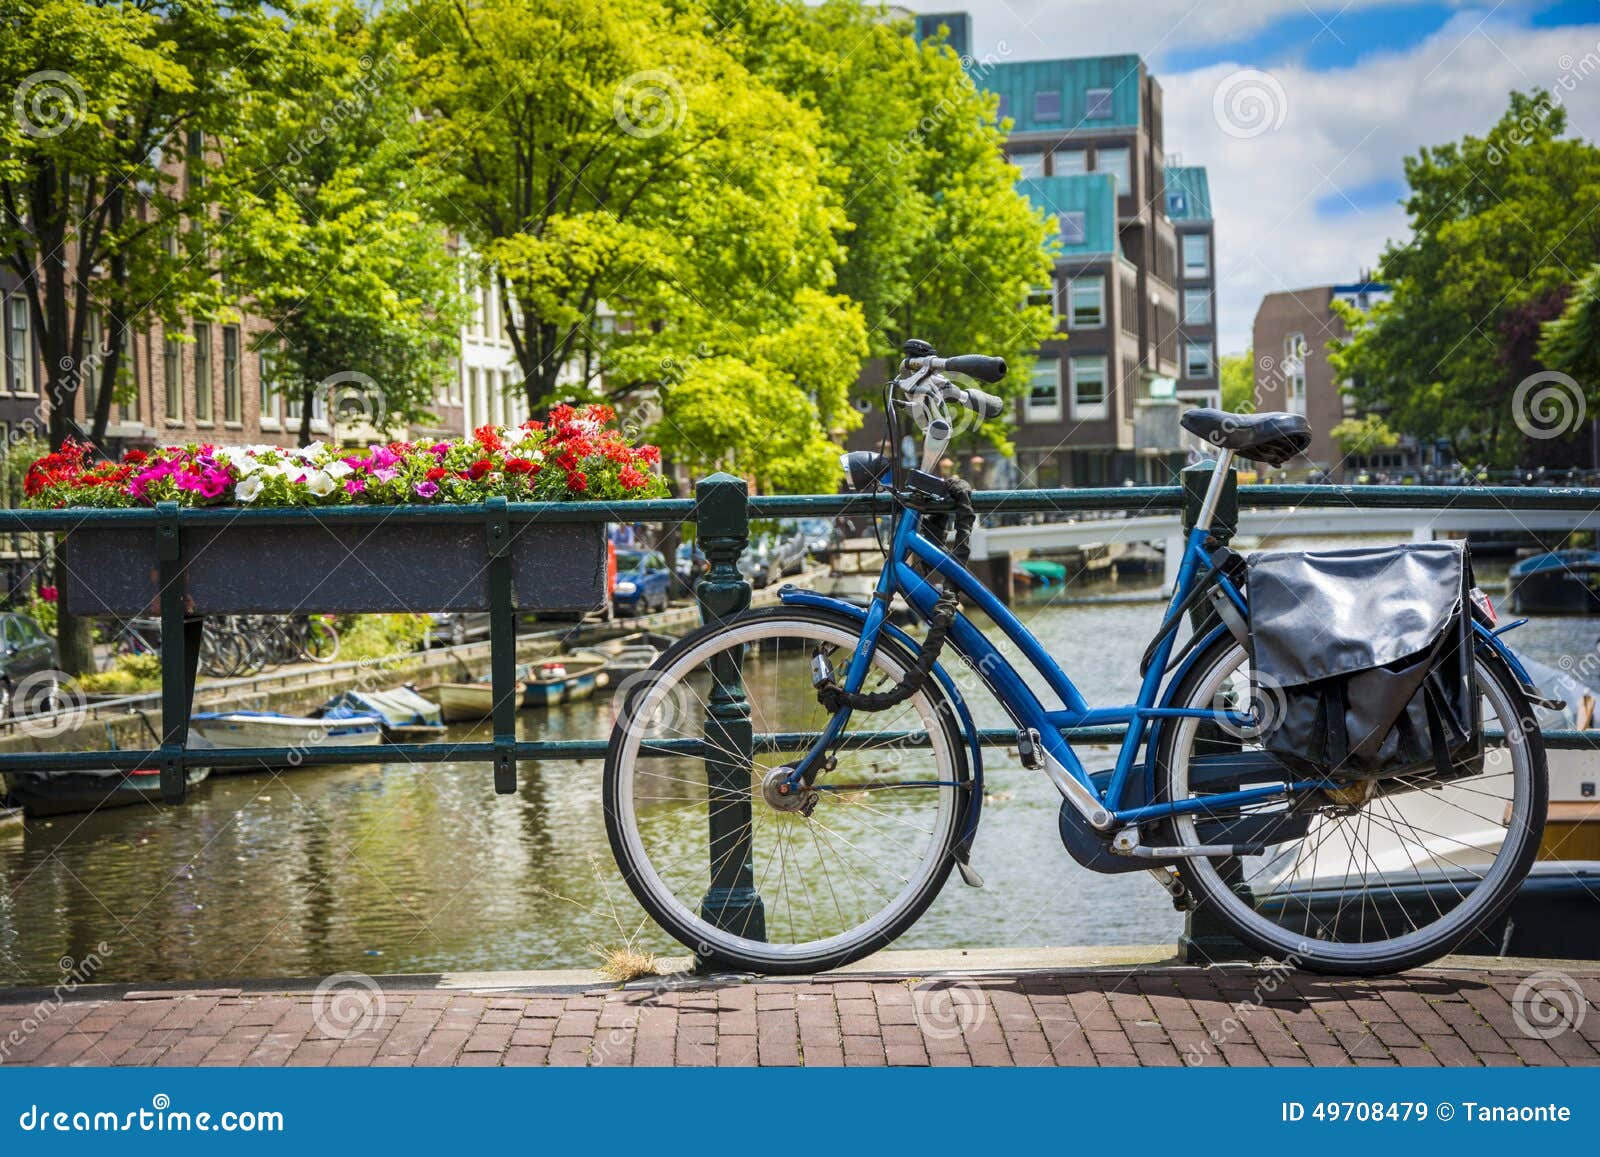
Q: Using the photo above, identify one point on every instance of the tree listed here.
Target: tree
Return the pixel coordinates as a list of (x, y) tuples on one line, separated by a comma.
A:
[(648, 208), (331, 241), (1238, 375), (1362, 435), (1499, 223), (939, 244), (1570, 342), (104, 197)]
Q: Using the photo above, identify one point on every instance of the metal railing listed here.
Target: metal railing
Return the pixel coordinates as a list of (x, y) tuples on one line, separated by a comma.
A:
[(722, 510)]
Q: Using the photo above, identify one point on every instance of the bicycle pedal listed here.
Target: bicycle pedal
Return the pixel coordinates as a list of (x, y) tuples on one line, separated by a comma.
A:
[(1028, 749)]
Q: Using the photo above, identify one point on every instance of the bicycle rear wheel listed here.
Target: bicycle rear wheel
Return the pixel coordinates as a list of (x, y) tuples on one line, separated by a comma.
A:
[(1387, 874), (829, 876)]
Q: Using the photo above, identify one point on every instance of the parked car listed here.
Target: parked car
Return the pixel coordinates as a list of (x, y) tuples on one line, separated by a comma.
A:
[(692, 564), (25, 650), (459, 627), (644, 583), (771, 556)]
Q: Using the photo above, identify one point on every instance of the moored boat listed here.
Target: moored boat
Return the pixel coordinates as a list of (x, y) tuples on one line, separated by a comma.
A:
[(54, 793), (233, 730), (1559, 582), (561, 680), (459, 702), (405, 713), (620, 663)]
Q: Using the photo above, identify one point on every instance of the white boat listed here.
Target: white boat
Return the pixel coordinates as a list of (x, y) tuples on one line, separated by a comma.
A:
[(234, 730), (463, 701)]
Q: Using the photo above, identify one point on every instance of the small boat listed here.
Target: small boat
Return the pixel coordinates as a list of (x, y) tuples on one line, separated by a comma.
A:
[(1560, 582), (561, 680), (405, 714), (1044, 571), (620, 663), (56, 793), (232, 730), (463, 701)]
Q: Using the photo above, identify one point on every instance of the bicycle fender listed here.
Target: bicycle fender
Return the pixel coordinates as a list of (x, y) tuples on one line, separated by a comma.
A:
[(795, 597)]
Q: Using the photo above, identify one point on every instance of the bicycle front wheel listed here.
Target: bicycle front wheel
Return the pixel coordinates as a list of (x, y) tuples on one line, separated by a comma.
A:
[(1381, 875), (750, 877)]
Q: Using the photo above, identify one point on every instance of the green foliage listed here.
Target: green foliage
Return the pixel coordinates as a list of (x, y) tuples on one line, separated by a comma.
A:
[(1238, 373), (42, 611), (377, 637), (1571, 342), (336, 250), (127, 675), (1363, 435), (1499, 223)]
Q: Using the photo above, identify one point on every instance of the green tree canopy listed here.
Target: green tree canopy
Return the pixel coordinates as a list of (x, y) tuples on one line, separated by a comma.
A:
[(1238, 376), (1500, 224)]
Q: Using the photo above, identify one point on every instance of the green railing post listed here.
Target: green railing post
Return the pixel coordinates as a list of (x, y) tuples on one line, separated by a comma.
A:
[(1205, 939), (180, 655), (502, 645), (723, 530)]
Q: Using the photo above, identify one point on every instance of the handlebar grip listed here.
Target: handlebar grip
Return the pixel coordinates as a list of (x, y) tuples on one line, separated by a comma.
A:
[(980, 366), (986, 406)]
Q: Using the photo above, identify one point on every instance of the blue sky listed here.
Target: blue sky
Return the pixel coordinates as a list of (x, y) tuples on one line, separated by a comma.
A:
[(1353, 89)]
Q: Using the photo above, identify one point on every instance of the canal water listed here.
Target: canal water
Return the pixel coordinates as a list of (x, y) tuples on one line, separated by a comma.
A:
[(418, 869)]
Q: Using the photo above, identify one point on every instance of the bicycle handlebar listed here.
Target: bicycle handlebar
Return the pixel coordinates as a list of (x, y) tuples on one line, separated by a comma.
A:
[(980, 366)]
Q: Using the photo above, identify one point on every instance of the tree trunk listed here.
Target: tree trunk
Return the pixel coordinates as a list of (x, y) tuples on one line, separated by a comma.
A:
[(307, 396), (74, 635)]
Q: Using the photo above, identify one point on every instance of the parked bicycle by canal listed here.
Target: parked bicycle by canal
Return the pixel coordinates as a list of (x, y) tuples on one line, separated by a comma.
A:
[(1338, 761)]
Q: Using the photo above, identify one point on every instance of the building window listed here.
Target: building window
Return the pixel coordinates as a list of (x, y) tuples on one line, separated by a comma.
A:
[(1196, 307), (1044, 391), (232, 387), (1044, 295), (1088, 387), (1087, 302), (1197, 359), (1047, 105), (1294, 371), (266, 388), (1069, 162), (172, 378), (1031, 164), (1097, 104), (1074, 227), (202, 373), (89, 365), (19, 346), (1115, 162), (1196, 255), (1177, 204)]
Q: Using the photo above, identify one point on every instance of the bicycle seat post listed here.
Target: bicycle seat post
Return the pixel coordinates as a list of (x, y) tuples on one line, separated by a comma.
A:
[(1219, 478)]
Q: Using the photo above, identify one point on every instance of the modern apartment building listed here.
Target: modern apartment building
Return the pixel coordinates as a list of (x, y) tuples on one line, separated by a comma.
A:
[(1290, 339), (1189, 208)]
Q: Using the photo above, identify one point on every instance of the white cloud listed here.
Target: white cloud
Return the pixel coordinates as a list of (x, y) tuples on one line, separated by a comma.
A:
[(1346, 129)]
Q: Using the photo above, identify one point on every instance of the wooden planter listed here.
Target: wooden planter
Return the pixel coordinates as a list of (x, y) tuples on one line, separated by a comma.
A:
[(399, 565)]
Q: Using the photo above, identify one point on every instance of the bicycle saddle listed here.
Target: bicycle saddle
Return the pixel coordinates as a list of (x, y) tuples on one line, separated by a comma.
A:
[(1273, 438)]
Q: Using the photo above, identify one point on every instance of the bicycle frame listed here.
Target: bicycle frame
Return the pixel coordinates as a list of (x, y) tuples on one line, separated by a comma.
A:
[(1019, 700)]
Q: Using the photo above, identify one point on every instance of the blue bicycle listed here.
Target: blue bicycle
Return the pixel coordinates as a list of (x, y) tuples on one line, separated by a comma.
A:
[(789, 789)]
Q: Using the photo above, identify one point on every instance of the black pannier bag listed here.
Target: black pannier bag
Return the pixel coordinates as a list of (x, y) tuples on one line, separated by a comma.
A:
[(1363, 660)]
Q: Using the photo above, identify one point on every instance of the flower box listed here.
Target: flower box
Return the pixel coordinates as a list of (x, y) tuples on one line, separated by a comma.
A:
[(398, 566)]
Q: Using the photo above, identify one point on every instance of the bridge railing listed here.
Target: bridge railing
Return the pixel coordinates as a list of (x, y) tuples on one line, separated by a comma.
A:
[(722, 510)]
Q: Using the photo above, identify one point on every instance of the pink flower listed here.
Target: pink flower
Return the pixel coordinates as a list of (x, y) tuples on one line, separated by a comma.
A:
[(426, 489), (354, 486), (385, 474), (440, 449)]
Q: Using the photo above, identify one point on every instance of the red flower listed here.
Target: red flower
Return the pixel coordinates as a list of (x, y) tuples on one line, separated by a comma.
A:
[(650, 454), (49, 594), (134, 457), (518, 466), (562, 414), (601, 413), (567, 461), (488, 437), (577, 481), (436, 473), (533, 424), (479, 468), (631, 479)]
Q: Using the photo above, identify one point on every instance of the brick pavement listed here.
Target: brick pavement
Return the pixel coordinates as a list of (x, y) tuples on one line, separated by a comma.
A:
[(1116, 1016)]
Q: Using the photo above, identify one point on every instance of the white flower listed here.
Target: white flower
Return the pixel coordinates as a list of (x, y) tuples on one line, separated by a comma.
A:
[(245, 464), (313, 452), (337, 469), (320, 483), (249, 487), (538, 455)]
